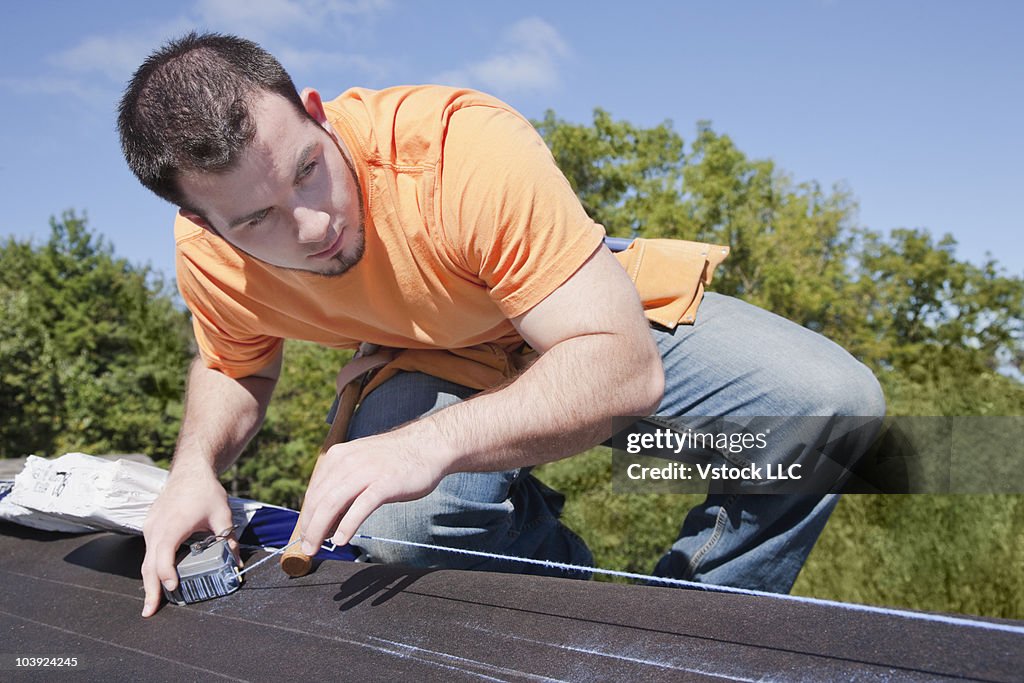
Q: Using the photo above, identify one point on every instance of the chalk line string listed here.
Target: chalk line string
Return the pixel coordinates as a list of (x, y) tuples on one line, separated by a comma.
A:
[(887, 611), (854, 607), (269, 557)]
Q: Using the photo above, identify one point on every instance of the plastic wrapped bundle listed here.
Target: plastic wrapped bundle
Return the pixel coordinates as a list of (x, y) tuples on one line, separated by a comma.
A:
[(79, 493)]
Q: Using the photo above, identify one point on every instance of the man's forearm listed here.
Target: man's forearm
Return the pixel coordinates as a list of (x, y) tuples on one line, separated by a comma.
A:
[(221, 416), (598, 361), (563, 404)]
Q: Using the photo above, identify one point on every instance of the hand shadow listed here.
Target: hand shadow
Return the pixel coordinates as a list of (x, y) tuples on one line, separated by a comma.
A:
[(111, 554), (389, 580)]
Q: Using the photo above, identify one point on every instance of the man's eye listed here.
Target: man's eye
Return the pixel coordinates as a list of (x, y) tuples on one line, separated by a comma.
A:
[(259, 218)]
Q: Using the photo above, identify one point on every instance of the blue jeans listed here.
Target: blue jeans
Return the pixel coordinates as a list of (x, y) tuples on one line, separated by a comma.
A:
[(735, 360)]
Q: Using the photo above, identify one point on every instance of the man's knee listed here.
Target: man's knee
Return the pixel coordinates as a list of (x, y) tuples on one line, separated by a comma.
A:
[(818, 377), (855, 392), (405, 397), (468, 511)]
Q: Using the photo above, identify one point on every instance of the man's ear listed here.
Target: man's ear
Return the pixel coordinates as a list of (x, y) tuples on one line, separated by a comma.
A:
[(314, 105), (197, 219)]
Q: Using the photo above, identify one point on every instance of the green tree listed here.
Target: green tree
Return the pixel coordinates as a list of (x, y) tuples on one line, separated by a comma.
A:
[(789, 243), (902, 303), (627, 178), (277, 464), (919, 299), (30, 391), (94, 349)]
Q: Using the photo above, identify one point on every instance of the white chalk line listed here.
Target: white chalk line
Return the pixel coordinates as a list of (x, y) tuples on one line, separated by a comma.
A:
[(489, 667), (852, 606), (625, 658)]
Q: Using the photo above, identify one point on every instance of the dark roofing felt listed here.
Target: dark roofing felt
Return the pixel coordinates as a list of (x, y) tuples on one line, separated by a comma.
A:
[(81, 596)]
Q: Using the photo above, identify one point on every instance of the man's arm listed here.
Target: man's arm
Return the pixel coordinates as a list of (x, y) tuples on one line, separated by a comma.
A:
[(221, 415), (598, 361)]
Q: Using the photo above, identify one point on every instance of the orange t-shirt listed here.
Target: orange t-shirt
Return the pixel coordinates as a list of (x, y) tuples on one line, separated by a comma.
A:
[(469, 222)]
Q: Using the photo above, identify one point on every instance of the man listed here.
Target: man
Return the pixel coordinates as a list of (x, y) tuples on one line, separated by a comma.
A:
[(434, 221)]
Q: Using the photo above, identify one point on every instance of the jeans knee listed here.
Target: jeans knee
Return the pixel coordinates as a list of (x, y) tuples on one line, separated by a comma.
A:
[(850, 390), (468, 511), (413, 532), (850, 411), (872, 396), (858, 395)]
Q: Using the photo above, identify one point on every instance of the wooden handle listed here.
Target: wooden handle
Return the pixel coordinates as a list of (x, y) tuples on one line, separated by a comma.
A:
[(294, 562)]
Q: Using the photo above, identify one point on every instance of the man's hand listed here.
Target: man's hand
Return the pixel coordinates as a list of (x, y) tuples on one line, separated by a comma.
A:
[(355, 478), (221, 415), (191, 501)]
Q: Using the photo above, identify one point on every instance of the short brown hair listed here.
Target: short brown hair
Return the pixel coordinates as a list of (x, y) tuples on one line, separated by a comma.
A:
[(187, 107)]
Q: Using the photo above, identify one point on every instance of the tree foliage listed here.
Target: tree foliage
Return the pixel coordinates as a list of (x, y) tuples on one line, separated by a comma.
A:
[(93, 351), (278, 463), (627, 178), (902, 303)]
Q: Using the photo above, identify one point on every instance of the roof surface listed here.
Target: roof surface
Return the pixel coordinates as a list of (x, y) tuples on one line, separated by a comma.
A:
[(81, 596)]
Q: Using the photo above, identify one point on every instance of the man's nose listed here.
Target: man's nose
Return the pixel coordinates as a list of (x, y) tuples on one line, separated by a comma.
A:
[(311, 225)]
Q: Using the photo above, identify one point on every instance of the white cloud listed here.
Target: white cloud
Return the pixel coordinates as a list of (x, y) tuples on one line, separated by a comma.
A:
[(536, 36), (116, 56), (262, 14), (527, 59), (296, 60), (62, 87), (98, 62), (262, 18), (109, 55)]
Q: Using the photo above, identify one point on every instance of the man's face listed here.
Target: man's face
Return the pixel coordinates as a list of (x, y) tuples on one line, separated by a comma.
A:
[(292, 200)]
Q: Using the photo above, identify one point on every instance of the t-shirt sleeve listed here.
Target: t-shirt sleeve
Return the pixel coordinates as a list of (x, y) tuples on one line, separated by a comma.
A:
[(510, 216), (222, 326)]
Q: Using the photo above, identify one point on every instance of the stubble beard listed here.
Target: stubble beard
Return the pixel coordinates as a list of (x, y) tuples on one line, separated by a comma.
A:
[(342, 262)]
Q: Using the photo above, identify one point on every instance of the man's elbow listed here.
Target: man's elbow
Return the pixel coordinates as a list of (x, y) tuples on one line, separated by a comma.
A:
[(655, 385), (648, 383)]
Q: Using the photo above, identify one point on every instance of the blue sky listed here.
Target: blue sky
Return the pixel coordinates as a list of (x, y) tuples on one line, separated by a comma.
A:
[(916, 106)]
